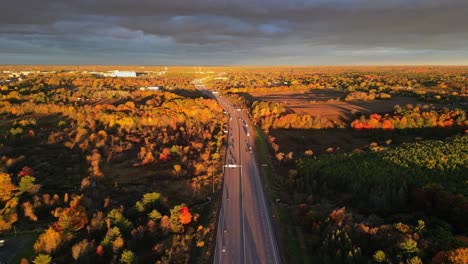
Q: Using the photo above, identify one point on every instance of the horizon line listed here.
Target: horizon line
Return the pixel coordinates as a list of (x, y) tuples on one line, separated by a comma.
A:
[(247, 65)]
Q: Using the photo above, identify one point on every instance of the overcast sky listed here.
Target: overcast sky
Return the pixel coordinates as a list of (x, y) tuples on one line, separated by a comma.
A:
[(234, 32)]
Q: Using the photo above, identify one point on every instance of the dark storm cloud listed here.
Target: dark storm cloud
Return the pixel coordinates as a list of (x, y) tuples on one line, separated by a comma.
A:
[(187, 31), (33, 12)]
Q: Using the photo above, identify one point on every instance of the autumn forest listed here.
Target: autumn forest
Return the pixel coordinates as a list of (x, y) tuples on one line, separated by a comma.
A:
[(359, 164)]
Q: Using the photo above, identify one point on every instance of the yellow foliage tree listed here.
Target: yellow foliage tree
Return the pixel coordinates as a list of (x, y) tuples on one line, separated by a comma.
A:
[(48, 241), (7, 188), (458, 256)]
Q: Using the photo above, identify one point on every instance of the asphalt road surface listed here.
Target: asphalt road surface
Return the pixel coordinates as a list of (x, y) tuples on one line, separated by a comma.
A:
[(245, 233)]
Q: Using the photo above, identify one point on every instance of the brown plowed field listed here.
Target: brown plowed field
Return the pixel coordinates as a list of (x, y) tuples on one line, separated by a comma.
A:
[(330, 103)]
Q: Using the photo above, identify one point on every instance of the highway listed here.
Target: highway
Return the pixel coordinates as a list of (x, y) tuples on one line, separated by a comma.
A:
[(245, 232)]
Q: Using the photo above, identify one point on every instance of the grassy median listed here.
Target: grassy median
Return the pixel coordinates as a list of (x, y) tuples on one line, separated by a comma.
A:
[(291, 248)]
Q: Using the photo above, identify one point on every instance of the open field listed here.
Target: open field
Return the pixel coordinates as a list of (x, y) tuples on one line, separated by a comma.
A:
[(329, 103)]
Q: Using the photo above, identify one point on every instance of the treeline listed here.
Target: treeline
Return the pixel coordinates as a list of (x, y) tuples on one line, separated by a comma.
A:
[(363, 96), (443, 80), (273, 115), (409, 117), (34, 84)]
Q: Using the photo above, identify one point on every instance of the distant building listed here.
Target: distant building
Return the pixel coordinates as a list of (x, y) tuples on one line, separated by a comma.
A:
[(117, 73), (22, 73), (26, 73), (150, 88)]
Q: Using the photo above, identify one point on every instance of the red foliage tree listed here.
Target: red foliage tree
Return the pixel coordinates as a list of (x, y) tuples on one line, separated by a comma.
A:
[(185, 217), (100, 251), (26, 171)]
